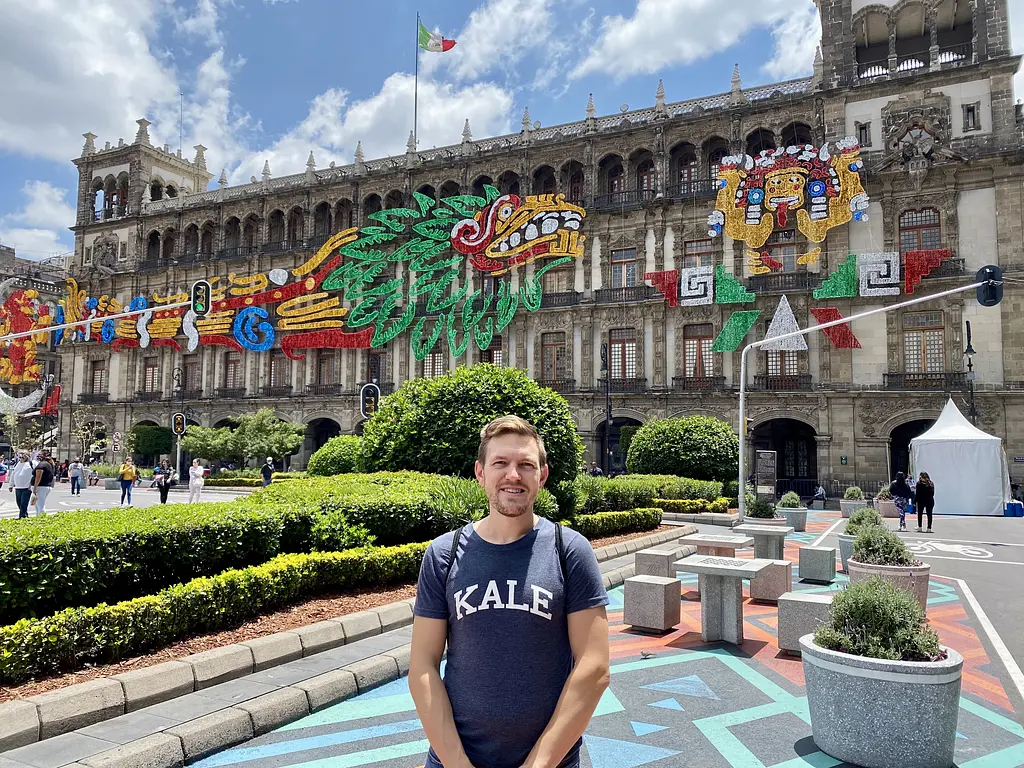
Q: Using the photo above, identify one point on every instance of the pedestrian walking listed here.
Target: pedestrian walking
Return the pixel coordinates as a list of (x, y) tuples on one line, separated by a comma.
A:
[(595, 471), (901, 495), (267, 471), (43, 481), (925, 501), (195, 481), (163, 476), (520, 603), (21, 477), (127, 474), (76, 471), (3, 471)]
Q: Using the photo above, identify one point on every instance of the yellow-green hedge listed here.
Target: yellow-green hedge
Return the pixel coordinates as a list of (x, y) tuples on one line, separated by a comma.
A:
[(693, 506), (611, 523)]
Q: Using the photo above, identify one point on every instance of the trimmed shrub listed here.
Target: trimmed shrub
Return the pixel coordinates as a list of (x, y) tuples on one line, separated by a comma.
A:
[(862, 518), (879, 620), (48, 563), (761, 510), (790, 500), (629, 492), (433, 425), (612, 523), (700, 447), (693, 506), (854, 493), (339, 455), (72, 638), (233, 482), (877, 545), (884, 494), (601, 494)]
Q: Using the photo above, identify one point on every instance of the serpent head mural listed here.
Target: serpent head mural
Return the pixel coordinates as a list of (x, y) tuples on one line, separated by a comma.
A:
[(818, 188)]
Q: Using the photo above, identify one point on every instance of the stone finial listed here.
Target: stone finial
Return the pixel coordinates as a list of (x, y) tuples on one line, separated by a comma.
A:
[(659, 100), (89, 147), (360, 159), (147, 195), (527, 122), (142, 137), (266, 171), (167, 149), (200, 158), (106, 146), (410, 151), (467, 134), (819, 68), (311, 162), (591, 110), (120, 143), (736, 94), (223, 180)]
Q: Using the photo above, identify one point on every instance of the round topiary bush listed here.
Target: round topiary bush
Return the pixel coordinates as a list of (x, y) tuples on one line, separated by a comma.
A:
[(337, 456), (433, 425), (700, 447)]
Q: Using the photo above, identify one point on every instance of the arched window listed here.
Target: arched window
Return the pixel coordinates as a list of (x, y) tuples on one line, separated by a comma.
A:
[(296, 227), (394, 199), (343, 214), (450, 189), (275, 235), (612, 175), (371, 204), (191, 239), (508, 183), (544, 180), (168, 245), (232, 235), (920, 230), (153, 246), (322, 223), (206, 237), (759, 140), (478, 185), (250, 236), (797, 135), (715, 149), (645, 177), (171, 191), (574, 182), (156, 190)]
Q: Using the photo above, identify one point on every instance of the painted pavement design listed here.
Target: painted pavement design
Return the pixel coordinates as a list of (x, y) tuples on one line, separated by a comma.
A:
[(688, 704)]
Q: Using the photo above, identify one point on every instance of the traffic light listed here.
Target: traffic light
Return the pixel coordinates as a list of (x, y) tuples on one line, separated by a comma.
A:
[(178, 424), (201, 298), (991, 293), (748, 424), (369, 399)]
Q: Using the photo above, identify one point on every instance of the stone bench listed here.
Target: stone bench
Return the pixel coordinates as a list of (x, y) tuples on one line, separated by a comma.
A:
[(769, 540), (800, 613), (718, 544), (651, 603), (774, 580), (721, 593), (818, 564), (657, 561)]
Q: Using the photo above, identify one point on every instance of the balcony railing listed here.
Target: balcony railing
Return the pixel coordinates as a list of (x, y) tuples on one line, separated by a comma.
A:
[(386, 388), (629, 293), (231, 392), (947, 268), (789, 383), (321, 390), (695, 188), (559, 385), (624, 199), (92, 398), (697, 383), (284, 245), (148, 397), (634, 384), (237, 252), (194, 393), (781, 282), (276, 390), (561, 299), (940, 381)]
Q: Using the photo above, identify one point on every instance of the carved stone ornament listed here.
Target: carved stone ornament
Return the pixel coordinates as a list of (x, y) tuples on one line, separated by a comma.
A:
[(104, 253), (917, 136), (875, 414)]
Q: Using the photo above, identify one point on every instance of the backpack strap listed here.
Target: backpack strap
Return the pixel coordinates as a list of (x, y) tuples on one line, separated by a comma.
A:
[(452, 554), (561, 553)]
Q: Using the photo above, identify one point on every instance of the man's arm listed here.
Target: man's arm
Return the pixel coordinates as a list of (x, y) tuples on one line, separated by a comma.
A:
[(428, 692), (588, 636), (39, 478)]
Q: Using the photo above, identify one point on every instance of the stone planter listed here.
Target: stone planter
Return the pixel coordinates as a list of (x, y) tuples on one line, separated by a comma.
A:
[(766, 520), (848, 506), (846, 550), (111, 483), (913, 705), (912, 578), (794, 516), (886, 508)]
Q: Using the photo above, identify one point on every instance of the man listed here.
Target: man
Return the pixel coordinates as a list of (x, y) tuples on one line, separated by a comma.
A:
[(595, 471), (267, 471), (76, 472), (21, 476), (524, 620), (43, 483)]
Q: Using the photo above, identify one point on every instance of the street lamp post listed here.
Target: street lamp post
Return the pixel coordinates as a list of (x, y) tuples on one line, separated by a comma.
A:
[(969, 352), (607, 408)]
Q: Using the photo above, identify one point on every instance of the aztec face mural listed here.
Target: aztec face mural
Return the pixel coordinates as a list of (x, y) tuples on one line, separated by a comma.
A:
[(20, 312)]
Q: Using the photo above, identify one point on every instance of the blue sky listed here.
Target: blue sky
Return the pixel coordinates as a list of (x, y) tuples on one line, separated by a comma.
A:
[(272, 80)]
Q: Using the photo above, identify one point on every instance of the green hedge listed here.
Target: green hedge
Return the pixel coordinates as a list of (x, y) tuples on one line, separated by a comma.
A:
[(611, 523), (599, 494), (79, 558), (339, 455), (693, 506), (232, 482), (72, 638)]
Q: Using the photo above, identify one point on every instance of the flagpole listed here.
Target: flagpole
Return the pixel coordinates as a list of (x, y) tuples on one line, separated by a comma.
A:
[(416, 84)]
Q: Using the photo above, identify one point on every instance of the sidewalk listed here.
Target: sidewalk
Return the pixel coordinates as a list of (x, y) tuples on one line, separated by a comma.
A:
[(688, 704)]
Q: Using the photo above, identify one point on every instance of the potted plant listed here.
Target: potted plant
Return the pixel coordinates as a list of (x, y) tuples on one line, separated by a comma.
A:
[(860, 519), (879, 552), (763, 513), (884, 503), (793, 511), (853, 499), (876, 647)]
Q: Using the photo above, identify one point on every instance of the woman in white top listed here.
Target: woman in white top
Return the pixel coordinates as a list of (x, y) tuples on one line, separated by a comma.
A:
[(195, 481)]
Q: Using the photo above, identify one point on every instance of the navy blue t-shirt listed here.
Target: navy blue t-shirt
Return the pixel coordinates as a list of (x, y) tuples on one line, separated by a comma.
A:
[(508, 640)]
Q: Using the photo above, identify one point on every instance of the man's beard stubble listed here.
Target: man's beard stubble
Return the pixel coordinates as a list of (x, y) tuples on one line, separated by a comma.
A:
[(511, 510)]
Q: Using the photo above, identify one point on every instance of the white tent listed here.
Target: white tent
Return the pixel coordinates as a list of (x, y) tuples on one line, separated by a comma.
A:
[(968, 466)]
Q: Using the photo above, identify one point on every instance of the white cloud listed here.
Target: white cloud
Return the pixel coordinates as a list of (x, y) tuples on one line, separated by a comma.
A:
[(202, 22), (796, 38), (662, 33), (40, 228)]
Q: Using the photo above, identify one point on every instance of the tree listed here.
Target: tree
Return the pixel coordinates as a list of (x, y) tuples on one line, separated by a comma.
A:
[(83, 429), (261, 434), (211, 443), (700, 447), (148, 440), (433, 425)]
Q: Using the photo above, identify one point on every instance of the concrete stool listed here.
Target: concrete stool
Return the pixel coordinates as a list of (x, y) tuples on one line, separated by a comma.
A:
[(818, 564), (769, 540), (799, 614), (657, 561), (773, 581), (651, 603), (721, 594)]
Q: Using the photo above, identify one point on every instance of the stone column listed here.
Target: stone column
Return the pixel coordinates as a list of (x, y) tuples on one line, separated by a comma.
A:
[(824, 443), (892, 45)]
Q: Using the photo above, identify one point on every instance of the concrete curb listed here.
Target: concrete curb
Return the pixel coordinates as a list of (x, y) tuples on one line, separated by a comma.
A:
[(727, 519), (27, 721)]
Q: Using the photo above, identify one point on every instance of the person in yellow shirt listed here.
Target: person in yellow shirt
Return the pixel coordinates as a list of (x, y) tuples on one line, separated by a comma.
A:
[(128, 474)]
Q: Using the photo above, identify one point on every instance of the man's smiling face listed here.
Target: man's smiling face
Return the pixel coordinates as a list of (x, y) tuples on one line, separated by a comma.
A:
[(511, 474)]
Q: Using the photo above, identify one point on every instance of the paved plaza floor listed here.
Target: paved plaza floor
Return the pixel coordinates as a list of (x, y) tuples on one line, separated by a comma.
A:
[(675, 701), (97, 497)]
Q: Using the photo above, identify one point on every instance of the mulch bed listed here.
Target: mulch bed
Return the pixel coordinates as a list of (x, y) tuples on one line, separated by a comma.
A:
[(298, 615)]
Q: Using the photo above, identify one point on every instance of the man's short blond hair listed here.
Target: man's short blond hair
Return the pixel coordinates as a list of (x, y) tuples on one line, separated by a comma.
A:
[(510, 425)]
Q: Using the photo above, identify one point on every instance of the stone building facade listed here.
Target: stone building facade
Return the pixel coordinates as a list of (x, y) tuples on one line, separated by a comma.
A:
[(926, 89)]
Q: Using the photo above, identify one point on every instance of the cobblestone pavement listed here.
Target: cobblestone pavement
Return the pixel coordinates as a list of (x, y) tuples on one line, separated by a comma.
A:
[(688, 704)]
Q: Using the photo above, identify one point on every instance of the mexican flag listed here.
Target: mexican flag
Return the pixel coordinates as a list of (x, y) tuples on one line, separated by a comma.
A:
[(433, 42)]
